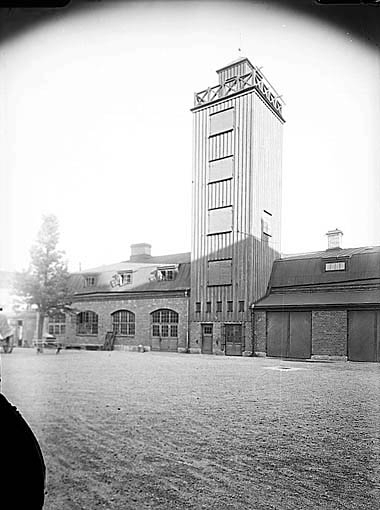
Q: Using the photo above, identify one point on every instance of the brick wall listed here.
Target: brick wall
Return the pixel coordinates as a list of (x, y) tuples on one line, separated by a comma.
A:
[(195, 337), (248, 339), (329, 333), (142, 308), (259, 333), (217, 337)]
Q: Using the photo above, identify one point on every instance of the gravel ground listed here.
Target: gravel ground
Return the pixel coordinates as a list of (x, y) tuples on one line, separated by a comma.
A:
[(172, 431)]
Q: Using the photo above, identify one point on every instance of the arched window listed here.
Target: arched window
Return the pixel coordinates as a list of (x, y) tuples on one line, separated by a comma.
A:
[(164, 323), (123, 322), (57, 324), (87, 323)]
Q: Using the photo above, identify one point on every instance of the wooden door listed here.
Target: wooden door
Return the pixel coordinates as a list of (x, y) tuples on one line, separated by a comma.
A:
[(207, 338), (233, 339), (164, 343), (277, 334), (299, 342), (173, 344), (363, 335)]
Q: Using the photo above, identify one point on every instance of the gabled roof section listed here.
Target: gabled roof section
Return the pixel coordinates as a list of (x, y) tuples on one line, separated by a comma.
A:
[(338, 252), (302, 280), (362, 264), (143, 278), (175, 258)]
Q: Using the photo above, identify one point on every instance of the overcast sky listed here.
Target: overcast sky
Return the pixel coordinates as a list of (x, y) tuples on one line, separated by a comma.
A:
[(96, 125)]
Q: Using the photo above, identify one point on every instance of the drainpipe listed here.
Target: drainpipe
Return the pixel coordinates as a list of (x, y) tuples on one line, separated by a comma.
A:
[(252, 330), (188, 322)]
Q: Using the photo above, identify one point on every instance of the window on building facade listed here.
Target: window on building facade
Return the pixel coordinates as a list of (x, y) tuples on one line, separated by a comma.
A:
[(230, 306), (123, 323), (220, 220), (221, 169), (89, 281), (165, 273), (219, 272), (126, 277), (208, 307), (57, 324), (241, 306), (87, 323), (222, 121), (122, 278), (218, 306), (198, 307), (266, 224), (164, 323), (335, 266)]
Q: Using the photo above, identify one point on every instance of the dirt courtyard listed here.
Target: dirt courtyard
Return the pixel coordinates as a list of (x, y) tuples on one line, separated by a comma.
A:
[(167, 431)]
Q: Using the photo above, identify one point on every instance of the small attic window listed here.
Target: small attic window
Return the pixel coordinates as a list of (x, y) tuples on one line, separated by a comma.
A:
[(335, 266), (126, 277), (121, 278), (167, 273), (89, 281)]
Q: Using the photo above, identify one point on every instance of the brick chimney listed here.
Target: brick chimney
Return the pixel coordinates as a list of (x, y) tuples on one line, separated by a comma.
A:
[(334, 239), (140, 252)]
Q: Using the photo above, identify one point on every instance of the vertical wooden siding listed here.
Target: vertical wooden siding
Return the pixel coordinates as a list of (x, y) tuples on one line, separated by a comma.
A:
[(255, 143)]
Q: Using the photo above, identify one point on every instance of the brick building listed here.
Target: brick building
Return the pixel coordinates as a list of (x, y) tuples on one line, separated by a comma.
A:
[(322, 305), (143, 301)]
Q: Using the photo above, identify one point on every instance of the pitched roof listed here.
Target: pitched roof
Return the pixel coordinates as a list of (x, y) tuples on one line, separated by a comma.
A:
[(336, 252), (173, 258), (351, 297), (142, 279), (309, 268), (301, 280)]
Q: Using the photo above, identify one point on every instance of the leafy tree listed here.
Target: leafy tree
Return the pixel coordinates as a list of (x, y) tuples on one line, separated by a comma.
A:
[(45, 283)]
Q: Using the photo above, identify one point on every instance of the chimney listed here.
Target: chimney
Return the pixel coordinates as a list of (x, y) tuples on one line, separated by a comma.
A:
[(334, 239), (140, 252)]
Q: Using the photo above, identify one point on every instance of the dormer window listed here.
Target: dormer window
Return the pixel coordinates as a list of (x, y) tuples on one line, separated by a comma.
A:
[(121, 278), (126, 277), (89, 281), (335, 266), (167, 273)]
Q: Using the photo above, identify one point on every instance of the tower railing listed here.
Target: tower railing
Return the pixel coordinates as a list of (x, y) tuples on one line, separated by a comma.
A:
[(236, 84)]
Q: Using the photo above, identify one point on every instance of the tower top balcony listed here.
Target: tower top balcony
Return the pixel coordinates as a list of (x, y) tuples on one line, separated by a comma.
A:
[(238, 76)]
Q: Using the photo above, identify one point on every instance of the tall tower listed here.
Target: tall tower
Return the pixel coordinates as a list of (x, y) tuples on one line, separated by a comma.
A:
[(236, 207)]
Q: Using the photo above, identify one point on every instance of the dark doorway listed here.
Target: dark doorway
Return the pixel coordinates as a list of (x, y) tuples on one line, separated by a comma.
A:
[(363, 335), (207, 338), (233, 339)]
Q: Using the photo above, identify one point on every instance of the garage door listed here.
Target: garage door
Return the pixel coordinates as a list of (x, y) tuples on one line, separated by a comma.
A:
[(165, 344), (277, 334), (363, 335), (289, 334), (300, 335)]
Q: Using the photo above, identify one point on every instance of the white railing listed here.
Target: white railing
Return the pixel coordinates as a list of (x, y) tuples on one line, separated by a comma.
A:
[(238, 83)]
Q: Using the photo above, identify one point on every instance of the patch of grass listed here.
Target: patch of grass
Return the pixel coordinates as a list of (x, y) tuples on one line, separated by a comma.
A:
[(170, 431)]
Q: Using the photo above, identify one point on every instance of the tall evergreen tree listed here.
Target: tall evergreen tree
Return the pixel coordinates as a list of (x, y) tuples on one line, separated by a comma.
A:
[(45, 283)]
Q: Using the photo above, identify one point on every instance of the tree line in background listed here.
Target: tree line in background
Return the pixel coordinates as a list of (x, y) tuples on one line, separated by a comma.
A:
[(45, 283)]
